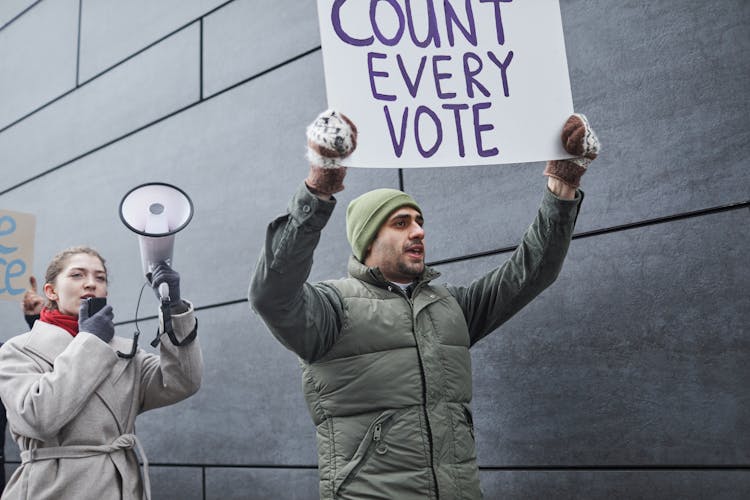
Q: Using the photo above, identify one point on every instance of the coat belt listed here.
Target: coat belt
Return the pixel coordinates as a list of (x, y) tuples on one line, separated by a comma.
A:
[(124, 442)]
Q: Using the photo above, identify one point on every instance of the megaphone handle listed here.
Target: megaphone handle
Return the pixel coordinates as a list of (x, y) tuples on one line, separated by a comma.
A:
[(164, 291)]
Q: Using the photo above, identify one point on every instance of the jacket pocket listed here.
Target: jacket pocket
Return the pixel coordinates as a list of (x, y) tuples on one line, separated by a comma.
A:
[(469, 419), (372, 442), (463, 432)]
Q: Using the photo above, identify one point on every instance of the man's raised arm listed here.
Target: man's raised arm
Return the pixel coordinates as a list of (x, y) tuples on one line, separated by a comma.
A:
[(302, 316)]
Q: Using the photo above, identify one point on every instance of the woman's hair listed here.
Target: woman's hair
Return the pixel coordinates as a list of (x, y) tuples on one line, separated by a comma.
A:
[(59, 261)]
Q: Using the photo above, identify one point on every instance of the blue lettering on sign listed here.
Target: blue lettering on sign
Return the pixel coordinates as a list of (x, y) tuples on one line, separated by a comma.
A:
[(13, 268), (9, 230)]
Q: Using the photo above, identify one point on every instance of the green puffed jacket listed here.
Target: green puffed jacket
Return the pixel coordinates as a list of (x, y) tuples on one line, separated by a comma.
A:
[(387, 377)]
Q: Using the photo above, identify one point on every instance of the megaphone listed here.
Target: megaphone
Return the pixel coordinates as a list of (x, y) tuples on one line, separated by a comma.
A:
[(156, 211)]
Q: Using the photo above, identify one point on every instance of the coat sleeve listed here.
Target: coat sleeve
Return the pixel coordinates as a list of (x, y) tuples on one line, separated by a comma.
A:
[(304, 317), (39, 402), (176, 373), (535, 264)]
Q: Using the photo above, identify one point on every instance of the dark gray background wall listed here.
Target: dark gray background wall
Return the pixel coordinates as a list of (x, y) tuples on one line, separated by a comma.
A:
[(628, 378)]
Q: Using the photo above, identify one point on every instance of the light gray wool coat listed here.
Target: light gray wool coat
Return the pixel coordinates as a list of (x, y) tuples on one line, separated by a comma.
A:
[(72, 402)]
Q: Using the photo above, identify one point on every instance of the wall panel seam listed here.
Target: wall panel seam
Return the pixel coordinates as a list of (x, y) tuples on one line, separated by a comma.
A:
[(612, 229), (200, 62), (153, 122), (79, 84), (113, 66), (198, 19), (20, 14), (507, 468), (264, 72), (78, 46), (586, 234)]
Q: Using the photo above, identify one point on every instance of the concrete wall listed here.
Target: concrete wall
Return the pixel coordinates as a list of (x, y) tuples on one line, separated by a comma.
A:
[(628, 378)]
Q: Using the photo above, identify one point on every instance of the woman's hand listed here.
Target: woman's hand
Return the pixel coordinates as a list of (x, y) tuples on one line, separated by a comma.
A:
[(100, 324), (165, 274)]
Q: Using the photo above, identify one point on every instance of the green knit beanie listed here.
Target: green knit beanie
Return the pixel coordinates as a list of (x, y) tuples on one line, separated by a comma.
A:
[(366, 214)]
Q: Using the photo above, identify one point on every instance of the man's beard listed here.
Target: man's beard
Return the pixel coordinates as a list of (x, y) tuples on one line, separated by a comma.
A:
[(412, 270)]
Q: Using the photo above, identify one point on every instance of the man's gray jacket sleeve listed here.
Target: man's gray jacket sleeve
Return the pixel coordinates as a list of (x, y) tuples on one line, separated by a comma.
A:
[(303, 317), (492, 299)]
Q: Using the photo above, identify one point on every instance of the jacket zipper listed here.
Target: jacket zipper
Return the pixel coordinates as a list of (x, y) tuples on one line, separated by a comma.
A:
[(410, 300), (378, 443), (424, 404), (380, 447)]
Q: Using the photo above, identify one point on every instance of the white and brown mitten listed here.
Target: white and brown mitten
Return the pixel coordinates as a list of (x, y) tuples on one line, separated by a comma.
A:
[(330, 138), (578, 139)]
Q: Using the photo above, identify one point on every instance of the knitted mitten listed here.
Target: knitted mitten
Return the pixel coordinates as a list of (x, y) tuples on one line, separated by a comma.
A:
[(330, 138), (578, 139)]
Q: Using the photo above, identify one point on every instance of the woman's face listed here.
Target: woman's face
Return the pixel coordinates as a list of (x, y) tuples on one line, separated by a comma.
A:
[(82, 277)]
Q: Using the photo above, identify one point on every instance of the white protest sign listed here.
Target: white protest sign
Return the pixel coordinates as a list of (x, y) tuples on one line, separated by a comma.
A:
[(433, 83), (16, 253)]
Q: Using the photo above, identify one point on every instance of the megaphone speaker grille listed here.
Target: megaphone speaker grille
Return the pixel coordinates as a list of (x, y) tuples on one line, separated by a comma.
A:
[(156, 209)]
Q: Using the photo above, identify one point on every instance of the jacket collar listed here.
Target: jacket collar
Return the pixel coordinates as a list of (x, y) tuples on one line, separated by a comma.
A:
[(47, 341), (374, 276)]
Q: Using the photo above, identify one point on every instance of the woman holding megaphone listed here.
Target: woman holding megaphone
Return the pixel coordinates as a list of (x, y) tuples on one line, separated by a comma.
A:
[(72, 397)]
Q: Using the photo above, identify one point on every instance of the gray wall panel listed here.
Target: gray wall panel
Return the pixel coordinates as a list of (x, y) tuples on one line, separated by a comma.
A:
[(675, 133), (10, 9), (250, 408), (641, 484), (159, 81), (13, 321), (250, 36), (112, 30), (211, 151), (475, 209), (624, 360), (37, 57), (261, 484), (9, 469), (176, 483)]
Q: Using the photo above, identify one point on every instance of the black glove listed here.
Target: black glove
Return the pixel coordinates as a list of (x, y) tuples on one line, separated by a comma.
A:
[(165, 274), (100, 324)]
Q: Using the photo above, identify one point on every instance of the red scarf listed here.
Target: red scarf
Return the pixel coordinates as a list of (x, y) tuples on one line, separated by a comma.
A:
[(64, 321)]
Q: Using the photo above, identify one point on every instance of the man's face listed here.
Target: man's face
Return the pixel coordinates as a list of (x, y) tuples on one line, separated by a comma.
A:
[(398, 248)]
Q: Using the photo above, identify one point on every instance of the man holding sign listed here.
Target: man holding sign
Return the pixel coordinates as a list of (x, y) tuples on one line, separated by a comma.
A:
[(385, 352)]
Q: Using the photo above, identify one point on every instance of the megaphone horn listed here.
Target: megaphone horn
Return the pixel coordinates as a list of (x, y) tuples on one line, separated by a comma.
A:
[(156, 211)]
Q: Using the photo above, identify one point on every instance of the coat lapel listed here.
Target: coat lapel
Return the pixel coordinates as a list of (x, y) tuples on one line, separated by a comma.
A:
[(49, 341)]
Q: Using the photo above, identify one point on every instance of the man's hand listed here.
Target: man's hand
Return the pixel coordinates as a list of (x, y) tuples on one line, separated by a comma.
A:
[(578, 139), (32, 302), (330, 138)]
